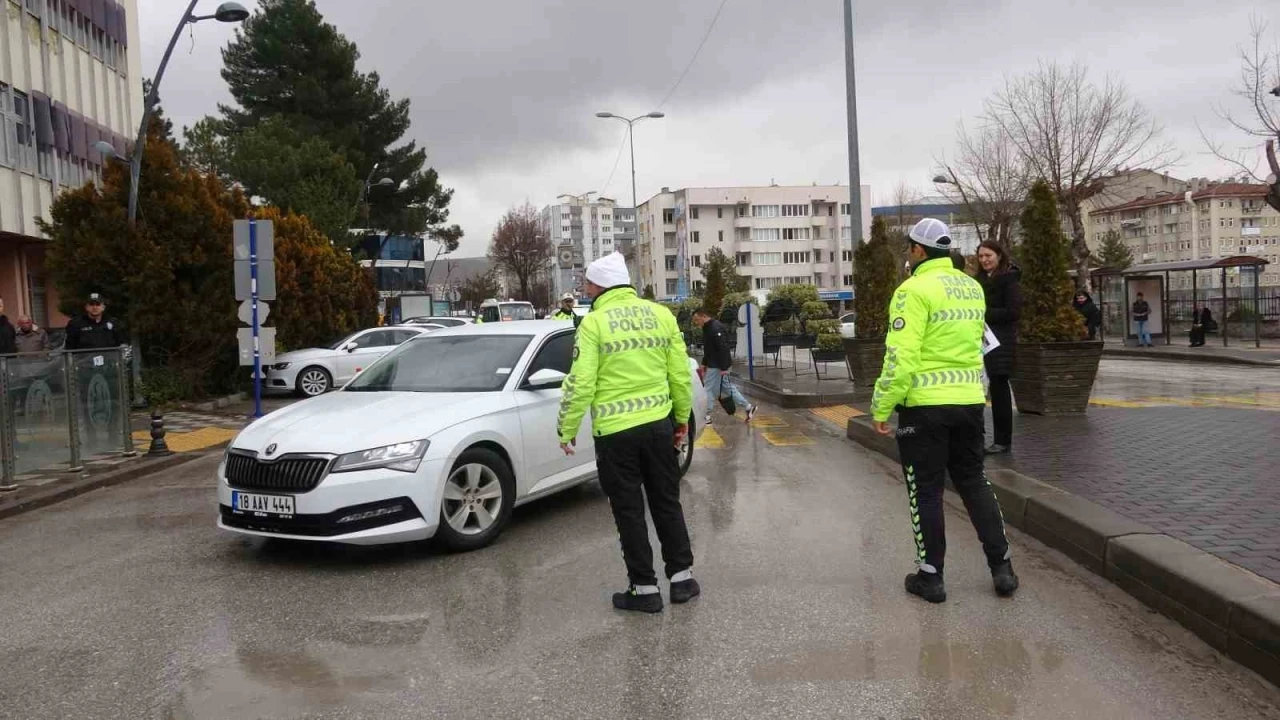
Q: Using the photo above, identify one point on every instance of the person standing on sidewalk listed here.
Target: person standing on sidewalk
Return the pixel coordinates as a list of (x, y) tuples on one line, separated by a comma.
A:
[(31, 338), (932, 377), (1141, 314), (718, 360), (631, 371), (1000, 281), (1088, 310), (94, 330)]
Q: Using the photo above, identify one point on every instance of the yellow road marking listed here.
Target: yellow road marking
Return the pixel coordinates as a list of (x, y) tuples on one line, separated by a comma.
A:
[(786, 438), (1108, 402), (188, 441), (768, 421), (709, 440), (839, 415)]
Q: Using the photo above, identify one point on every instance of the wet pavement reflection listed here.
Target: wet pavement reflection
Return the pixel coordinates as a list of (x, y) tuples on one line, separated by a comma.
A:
[(130, 604)]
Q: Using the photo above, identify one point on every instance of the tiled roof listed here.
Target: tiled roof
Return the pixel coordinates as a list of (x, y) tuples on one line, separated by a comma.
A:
[(1223, 190)]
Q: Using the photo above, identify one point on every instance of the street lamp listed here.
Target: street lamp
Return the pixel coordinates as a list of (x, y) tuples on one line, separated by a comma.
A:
[(944, 180), (655, 115)]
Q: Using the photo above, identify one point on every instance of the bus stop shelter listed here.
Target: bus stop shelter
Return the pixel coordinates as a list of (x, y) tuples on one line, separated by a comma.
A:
[(1126, 283)]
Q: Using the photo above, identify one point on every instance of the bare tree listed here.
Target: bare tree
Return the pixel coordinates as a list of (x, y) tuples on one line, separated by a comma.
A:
[(1259, 81), (520, 248), (1075, 134), (991, 178)]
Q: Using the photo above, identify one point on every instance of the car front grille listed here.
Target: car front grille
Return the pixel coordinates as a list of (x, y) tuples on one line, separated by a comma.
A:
[(286, 474)]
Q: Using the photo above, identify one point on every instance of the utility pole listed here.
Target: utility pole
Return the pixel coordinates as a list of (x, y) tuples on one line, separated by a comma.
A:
[(851, 99)]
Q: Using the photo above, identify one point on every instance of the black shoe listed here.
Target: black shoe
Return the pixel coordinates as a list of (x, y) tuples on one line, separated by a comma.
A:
[(1005, 581), (685, 590), (928, 586), (996, 449), (629, 600)]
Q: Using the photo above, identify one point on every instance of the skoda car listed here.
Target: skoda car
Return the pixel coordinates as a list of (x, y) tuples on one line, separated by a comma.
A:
[(441, 438)]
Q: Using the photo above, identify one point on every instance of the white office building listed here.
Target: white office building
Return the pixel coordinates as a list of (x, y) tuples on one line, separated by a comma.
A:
[(582, 230), (778, 235), (69, 77)]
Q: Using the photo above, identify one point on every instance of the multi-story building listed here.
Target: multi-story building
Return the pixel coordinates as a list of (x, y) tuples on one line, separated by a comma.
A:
[(1117, 189), (778, 235), (70, 77), (582, 230), (1199, 220)]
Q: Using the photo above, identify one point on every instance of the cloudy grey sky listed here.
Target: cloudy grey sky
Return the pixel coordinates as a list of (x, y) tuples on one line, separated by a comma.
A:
[(504, 91)]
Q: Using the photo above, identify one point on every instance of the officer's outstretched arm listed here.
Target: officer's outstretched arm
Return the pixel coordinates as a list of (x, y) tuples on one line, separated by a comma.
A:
[(580, 387), (908, 314), (678, 377)]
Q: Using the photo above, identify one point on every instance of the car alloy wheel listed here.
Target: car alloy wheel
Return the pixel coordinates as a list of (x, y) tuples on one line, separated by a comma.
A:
[(684, 451), (472, 499), (313, 381)]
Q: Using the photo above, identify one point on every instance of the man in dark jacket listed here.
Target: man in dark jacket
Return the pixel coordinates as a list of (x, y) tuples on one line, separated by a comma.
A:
[(1089, 310), (94, 330), (718, 360), (8, 345), (1141, 314)]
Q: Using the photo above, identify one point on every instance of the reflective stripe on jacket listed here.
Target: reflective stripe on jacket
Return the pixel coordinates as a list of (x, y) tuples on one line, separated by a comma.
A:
[(563, 314), (630, 367), (933, 352)]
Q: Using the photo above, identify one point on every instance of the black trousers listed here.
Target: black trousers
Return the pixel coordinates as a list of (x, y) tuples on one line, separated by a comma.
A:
[(633, 464), (934, 441), (1001, 410)]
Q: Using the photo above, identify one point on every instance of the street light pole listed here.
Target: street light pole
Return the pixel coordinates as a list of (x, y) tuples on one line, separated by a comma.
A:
[(953, 180), (631, 138), (851, 101)]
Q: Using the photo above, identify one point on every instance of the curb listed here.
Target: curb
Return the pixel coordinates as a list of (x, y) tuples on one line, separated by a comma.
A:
[(1156, 354), (1230, 608), (790, 400), (143, 468), (216, 403)]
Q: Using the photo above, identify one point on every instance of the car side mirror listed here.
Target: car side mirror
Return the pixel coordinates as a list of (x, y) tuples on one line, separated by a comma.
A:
[(545, 379), (351, 346)]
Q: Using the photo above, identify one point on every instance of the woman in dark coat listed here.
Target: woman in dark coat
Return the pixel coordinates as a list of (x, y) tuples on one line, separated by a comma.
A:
[(1092, 316), (1000, 281)]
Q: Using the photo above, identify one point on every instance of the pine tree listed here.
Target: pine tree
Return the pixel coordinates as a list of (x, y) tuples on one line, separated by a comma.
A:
[(1045, 258), (1113, 252), (719, 270), (875, 276), (287, 63)]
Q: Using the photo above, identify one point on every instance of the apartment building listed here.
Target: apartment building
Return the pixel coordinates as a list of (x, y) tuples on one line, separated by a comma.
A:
[(69, 77), (582, 230), (1122, 187), (778, 235), (1200, 220)]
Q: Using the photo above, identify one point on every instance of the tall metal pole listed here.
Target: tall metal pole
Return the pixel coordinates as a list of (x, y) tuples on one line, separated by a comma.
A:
[(631, 136), (253, 298), (851, 99)]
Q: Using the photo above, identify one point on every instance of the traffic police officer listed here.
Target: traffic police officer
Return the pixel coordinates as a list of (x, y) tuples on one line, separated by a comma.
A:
[(932, 376), (631, 371), (94, 330), (566, 308)]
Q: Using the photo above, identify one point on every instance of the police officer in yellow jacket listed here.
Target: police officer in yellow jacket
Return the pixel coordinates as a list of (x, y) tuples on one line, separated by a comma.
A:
[(631, 371), (932, 376)]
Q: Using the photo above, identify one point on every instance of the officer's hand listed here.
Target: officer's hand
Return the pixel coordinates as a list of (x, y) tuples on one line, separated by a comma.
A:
[(568, 447), (682, 431), (882, 427)]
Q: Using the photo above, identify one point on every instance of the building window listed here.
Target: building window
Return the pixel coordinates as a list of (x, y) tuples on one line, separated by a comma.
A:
[(669, 241), (719, 212), (844, 208), (795, 211), (697, 285), (671, 286), (848, 280), (696, 260), (798, 280), (766, 259), (764, 211), (742, 211), (668, 216), (15, 108), (743, 258), (766, 234), (767, 283), (742, 234), (719, 236), (817, 256), (671, 262), (795, 258), (795, 233), (695, 236), (846, 233), (846, 255), (693, 213)]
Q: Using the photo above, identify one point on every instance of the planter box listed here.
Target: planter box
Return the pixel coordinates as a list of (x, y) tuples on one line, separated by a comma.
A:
[(1054, 378), (865, 358), (827, 356)]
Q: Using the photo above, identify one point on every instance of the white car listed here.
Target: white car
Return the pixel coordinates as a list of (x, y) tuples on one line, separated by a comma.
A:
[(316, 371), (847, 327), (440, 438)]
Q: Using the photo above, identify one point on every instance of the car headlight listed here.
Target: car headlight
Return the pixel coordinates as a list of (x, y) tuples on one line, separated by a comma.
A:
[(404, 457), (280, 366)]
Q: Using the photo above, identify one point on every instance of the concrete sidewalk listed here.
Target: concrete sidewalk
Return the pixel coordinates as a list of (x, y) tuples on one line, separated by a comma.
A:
[(1240, 352)]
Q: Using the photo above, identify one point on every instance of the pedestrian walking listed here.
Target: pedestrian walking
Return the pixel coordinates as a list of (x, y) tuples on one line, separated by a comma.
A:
[(94, 330), (718, 361), (1088, 309), (8, 343), (631, 371), (932, 377), (1001, 285), (31, 338), (1142, 314)]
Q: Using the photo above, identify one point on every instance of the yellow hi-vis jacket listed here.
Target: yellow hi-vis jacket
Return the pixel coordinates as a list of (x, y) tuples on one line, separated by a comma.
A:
[(933, 352), (629, 367)]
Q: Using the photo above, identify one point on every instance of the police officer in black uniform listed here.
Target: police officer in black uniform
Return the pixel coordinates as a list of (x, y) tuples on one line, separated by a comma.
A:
[(94, 330)]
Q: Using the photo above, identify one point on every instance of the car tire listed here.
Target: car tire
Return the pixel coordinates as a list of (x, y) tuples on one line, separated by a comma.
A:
[(684, 456), (477, 474), (313, 381)]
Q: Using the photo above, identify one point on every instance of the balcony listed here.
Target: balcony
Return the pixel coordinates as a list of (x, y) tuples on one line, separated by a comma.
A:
[(1252, 211), (742, 222), (819, 220)]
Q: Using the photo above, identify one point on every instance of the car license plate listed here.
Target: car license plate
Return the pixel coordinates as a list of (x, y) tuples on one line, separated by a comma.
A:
[(267, 504)]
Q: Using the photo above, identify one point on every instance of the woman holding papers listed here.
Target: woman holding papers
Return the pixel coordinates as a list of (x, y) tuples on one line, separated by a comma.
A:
[(1000, 280)]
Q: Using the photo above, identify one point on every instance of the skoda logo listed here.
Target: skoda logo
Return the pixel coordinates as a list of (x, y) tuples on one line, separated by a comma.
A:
[(271, 448)]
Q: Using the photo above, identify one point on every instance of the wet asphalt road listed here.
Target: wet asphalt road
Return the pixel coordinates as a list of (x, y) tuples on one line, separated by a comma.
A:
[(128, 603)]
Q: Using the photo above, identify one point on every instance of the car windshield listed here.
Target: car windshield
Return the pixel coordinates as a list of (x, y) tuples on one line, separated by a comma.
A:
[(455, 363), (516, 311)]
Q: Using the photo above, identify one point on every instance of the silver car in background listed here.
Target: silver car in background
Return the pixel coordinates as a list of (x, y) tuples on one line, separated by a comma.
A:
[(316, 371)]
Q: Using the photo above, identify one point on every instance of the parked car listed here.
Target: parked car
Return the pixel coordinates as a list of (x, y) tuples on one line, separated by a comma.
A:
[(437, 320), (492, 311), (316, 371), (847, 328), (440, 438)]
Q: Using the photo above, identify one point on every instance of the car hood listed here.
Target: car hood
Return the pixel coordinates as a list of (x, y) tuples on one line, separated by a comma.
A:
[(297, 356), (344, 422)]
